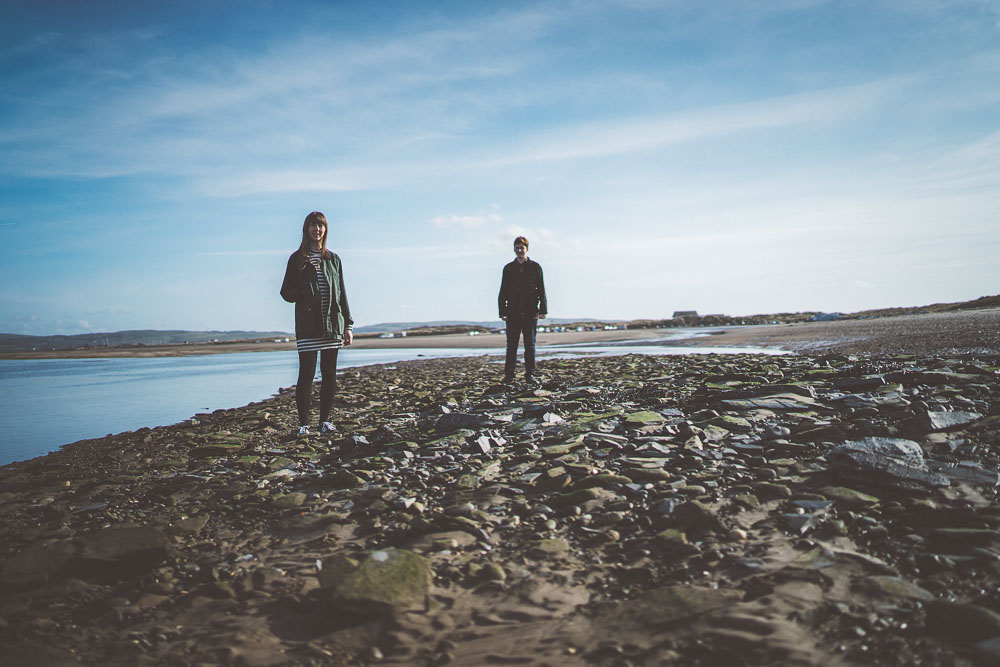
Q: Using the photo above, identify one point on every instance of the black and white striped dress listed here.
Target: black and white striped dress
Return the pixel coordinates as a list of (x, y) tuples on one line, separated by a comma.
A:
[(315, 344)]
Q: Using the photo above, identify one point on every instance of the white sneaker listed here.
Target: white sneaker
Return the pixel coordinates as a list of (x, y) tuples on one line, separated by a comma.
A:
[(303, 430), (327, 427)]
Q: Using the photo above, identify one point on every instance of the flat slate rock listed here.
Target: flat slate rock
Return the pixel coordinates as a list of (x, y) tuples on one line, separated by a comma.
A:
[(892, 462), (456, 421), (785, 401), (932, 421)]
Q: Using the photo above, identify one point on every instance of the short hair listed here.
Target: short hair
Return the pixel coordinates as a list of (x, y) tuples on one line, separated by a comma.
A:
[(523, 241)]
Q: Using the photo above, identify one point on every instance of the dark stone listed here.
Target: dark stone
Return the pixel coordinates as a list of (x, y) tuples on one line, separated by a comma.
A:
[(961, 622), (116, 553), (891, 462), (697, 517), (932, 421), (801, 523), (971, 473), (860, 384), (456, 421), (36, 564)]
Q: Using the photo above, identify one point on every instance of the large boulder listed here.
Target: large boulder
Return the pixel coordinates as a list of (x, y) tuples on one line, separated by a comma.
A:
[(36, 564), (121, 552), (388, 579), (888, 462)]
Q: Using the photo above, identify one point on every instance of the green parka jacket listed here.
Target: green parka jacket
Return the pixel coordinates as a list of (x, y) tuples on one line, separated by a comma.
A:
[(301, 287)]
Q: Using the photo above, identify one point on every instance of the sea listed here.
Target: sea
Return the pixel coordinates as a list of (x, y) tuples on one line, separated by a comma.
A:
[(51, 402)]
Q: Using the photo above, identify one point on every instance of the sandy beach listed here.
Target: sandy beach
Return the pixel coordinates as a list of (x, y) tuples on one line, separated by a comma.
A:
[(960, 332)]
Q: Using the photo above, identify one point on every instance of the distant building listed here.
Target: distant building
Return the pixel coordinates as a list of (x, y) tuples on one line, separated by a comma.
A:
[(825, 317), (685, 313)]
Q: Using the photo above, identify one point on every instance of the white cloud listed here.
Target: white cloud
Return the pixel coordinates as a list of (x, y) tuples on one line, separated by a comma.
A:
[(491, 216)]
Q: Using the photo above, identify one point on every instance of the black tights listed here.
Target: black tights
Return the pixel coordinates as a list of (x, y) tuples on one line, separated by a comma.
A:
[(303, 388)]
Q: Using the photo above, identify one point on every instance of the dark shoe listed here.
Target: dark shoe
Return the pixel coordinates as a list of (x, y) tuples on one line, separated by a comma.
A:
[(530, 379), (507, 379)]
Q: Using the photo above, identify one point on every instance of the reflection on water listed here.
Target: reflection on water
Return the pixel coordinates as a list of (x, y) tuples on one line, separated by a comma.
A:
[(50, 402)]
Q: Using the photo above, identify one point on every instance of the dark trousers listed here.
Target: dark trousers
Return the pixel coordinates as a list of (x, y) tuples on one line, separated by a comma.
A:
[(515, 329), (304, 386)]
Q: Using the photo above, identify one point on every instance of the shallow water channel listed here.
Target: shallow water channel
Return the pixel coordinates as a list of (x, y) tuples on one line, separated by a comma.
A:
[(50, 402)]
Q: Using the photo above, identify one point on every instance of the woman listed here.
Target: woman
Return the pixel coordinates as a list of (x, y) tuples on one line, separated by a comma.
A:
[(314, 282)]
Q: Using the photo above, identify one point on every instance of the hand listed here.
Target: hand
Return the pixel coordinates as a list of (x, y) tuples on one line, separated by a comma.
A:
[(542, 316), (348, 337), (503, 317)]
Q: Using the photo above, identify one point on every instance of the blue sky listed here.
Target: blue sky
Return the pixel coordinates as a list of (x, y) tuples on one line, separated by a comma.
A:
[(157, 158)]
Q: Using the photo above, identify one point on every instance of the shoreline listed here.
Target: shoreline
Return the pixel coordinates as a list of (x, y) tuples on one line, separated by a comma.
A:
[(482, 341), (960, 332)]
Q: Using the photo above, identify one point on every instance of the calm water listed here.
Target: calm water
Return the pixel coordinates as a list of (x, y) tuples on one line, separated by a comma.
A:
[(50, 402)]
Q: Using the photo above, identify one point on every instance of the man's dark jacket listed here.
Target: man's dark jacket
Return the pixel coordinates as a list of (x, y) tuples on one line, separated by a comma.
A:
[(522, 291)]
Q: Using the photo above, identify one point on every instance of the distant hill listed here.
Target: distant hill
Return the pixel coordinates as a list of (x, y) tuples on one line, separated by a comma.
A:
[(394, 327), (142, 337), (767, 318), (22, 343)]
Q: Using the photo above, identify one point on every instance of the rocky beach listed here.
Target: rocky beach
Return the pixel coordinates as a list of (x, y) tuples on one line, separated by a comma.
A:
[(833, 506)]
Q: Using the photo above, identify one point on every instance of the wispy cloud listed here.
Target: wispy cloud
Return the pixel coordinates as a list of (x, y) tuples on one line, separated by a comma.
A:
[(492, 216), (242, 253)]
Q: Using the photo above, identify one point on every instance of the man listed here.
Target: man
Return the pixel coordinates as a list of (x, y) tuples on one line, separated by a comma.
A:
[(522, 303)]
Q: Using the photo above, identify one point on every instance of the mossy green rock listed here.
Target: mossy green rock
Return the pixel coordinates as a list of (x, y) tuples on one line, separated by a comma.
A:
[(771, 491), (467, 482), (493, 572), (649, 475), (216, 449), (344, 479), (732, 423), (604, 480), (564, 447), (675, 542), (575, 497), (747, 500), (551, 547), (849, 498), (713, 433), (643, 418), (894, 587), (191, 525), (394, 577), (290, 500)]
